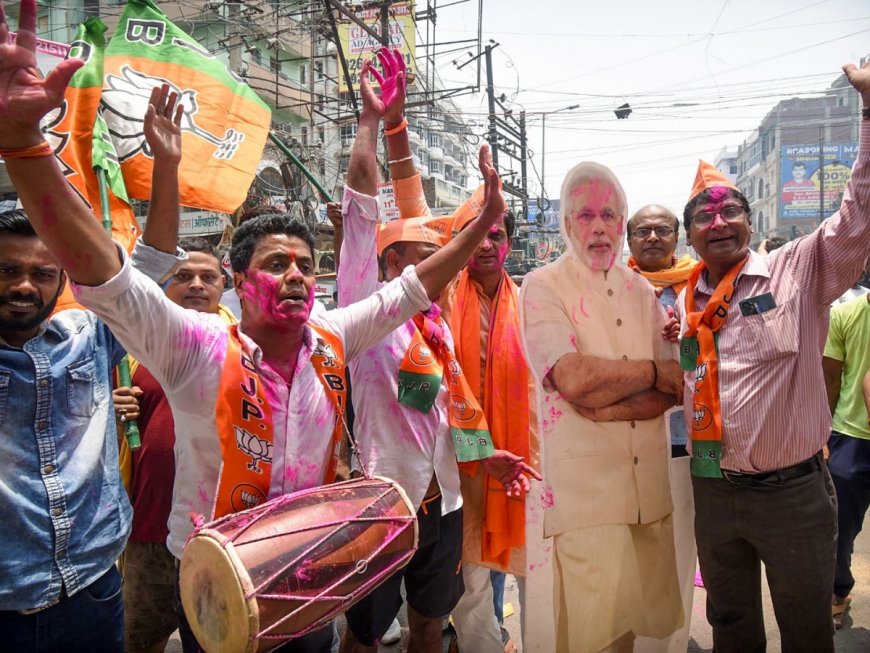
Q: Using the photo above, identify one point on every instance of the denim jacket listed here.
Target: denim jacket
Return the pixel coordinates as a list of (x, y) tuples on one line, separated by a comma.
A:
[(64, 512)]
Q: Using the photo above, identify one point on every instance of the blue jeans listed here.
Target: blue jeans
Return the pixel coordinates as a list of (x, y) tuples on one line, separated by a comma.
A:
[(850, 470), (497, 580), (91, 621)]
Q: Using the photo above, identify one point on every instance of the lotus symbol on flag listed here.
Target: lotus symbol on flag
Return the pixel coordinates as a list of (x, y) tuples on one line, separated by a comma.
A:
[(257, 448), (125, 98)]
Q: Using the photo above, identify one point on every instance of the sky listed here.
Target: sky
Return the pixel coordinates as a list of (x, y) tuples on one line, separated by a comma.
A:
[(700, 76)]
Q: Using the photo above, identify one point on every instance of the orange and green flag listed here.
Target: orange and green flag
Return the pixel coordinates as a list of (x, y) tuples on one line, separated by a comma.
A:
[(224, 125), (74, 133)]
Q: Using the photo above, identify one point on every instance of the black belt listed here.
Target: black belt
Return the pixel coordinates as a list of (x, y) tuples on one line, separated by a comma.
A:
[(776, 477)]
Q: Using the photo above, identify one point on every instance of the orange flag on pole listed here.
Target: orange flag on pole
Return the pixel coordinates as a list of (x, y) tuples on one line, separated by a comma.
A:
[(224, 125), (72, 130)]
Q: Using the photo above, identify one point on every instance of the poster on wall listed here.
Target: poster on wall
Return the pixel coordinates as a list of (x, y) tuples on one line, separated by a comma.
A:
[(802, 180), (358, 45)]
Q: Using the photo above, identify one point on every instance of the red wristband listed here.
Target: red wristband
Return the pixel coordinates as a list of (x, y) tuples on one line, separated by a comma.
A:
[(33, 152)]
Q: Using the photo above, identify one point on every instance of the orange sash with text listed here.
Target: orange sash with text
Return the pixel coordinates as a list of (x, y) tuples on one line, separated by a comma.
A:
[(244, 421)]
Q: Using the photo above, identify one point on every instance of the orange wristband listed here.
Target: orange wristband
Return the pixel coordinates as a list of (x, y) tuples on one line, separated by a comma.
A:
[(392, 131), (33, 152)]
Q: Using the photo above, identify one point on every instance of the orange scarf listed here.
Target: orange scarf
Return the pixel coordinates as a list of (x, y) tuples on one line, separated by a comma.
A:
[(675, 276), (505, 393), (420, 375), (244, 421), (698, 351)]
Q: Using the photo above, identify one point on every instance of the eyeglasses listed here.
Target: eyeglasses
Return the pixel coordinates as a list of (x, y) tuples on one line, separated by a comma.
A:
[(730, 213), (607, 216), (644, 232)]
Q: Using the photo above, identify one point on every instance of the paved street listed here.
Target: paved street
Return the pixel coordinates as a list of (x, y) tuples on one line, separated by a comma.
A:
[(853, 638)]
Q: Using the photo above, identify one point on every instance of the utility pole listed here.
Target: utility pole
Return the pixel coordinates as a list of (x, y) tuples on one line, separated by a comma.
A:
[(492, 134), (524, 179), (385, 24), (821, 173)]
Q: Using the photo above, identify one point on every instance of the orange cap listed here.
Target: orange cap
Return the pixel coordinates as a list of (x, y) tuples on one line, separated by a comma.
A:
[(435, 230), (469, 210), (709, 176)]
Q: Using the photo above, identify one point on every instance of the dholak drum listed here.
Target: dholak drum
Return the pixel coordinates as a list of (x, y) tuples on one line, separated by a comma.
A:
[(256, 579)]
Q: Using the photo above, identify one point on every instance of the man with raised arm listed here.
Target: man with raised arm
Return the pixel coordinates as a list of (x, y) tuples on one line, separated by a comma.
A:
[(600, 533), (65, 513), (294, 366), (415, 414), (752, 333)]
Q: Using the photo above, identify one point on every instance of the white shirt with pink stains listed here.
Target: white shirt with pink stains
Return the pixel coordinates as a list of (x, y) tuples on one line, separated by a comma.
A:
[(397, 441), (185, 350)]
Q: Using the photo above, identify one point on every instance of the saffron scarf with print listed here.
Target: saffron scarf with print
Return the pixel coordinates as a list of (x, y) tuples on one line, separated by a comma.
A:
[(420, 375), (699, 352), (244, 421), (505, 391)]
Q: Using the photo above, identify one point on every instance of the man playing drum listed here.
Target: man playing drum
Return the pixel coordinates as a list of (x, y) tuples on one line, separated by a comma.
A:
[(267, 390)]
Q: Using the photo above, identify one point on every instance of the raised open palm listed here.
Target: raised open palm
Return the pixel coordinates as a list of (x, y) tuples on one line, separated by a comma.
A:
[(25, 97), (163, 124)]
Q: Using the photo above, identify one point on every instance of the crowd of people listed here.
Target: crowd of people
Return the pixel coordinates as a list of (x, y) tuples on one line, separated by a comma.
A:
[(594, 432)]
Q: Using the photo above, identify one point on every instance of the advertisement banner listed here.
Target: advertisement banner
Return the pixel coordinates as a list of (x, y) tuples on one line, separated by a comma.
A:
[(358, 46), (802, 180)]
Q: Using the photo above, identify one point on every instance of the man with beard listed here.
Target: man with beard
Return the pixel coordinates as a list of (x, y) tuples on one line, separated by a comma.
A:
[(291, 369), (605, 375), (752, 329), (65, 511)]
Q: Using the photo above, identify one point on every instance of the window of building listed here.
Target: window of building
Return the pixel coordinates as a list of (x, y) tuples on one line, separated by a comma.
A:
[(760, 188), (303, 74), (347, 133), (342, 163), (318, 67), (274, 64), (435, 167), (732, 169), (320, 135), (304, 135), (434, 139)]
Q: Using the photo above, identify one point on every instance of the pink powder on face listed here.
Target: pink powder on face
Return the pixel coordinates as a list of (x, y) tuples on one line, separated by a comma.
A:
[(263, 289)]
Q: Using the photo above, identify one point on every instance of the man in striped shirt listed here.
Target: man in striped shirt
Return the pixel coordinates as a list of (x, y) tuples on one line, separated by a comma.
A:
[(755, 392)]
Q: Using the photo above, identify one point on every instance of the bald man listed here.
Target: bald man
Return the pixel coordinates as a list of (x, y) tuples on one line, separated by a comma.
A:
[(653, 233)]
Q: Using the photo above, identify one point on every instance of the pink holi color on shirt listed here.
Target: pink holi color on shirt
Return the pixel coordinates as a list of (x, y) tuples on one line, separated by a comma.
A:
[(547, 499)]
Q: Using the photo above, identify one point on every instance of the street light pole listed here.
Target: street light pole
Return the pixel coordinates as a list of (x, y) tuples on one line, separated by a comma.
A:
[(544, 148)]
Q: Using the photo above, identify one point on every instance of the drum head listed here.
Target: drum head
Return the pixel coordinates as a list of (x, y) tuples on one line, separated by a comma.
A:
[(213, 595)]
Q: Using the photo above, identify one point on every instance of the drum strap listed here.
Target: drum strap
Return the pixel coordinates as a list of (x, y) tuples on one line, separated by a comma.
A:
[(244, 421)]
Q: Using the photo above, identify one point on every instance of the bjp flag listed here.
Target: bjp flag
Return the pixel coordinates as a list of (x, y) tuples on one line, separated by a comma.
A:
[(73, 130), (224, 124)]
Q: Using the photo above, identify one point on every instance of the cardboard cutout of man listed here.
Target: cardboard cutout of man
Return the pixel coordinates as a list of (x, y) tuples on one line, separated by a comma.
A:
[(600, 531)]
